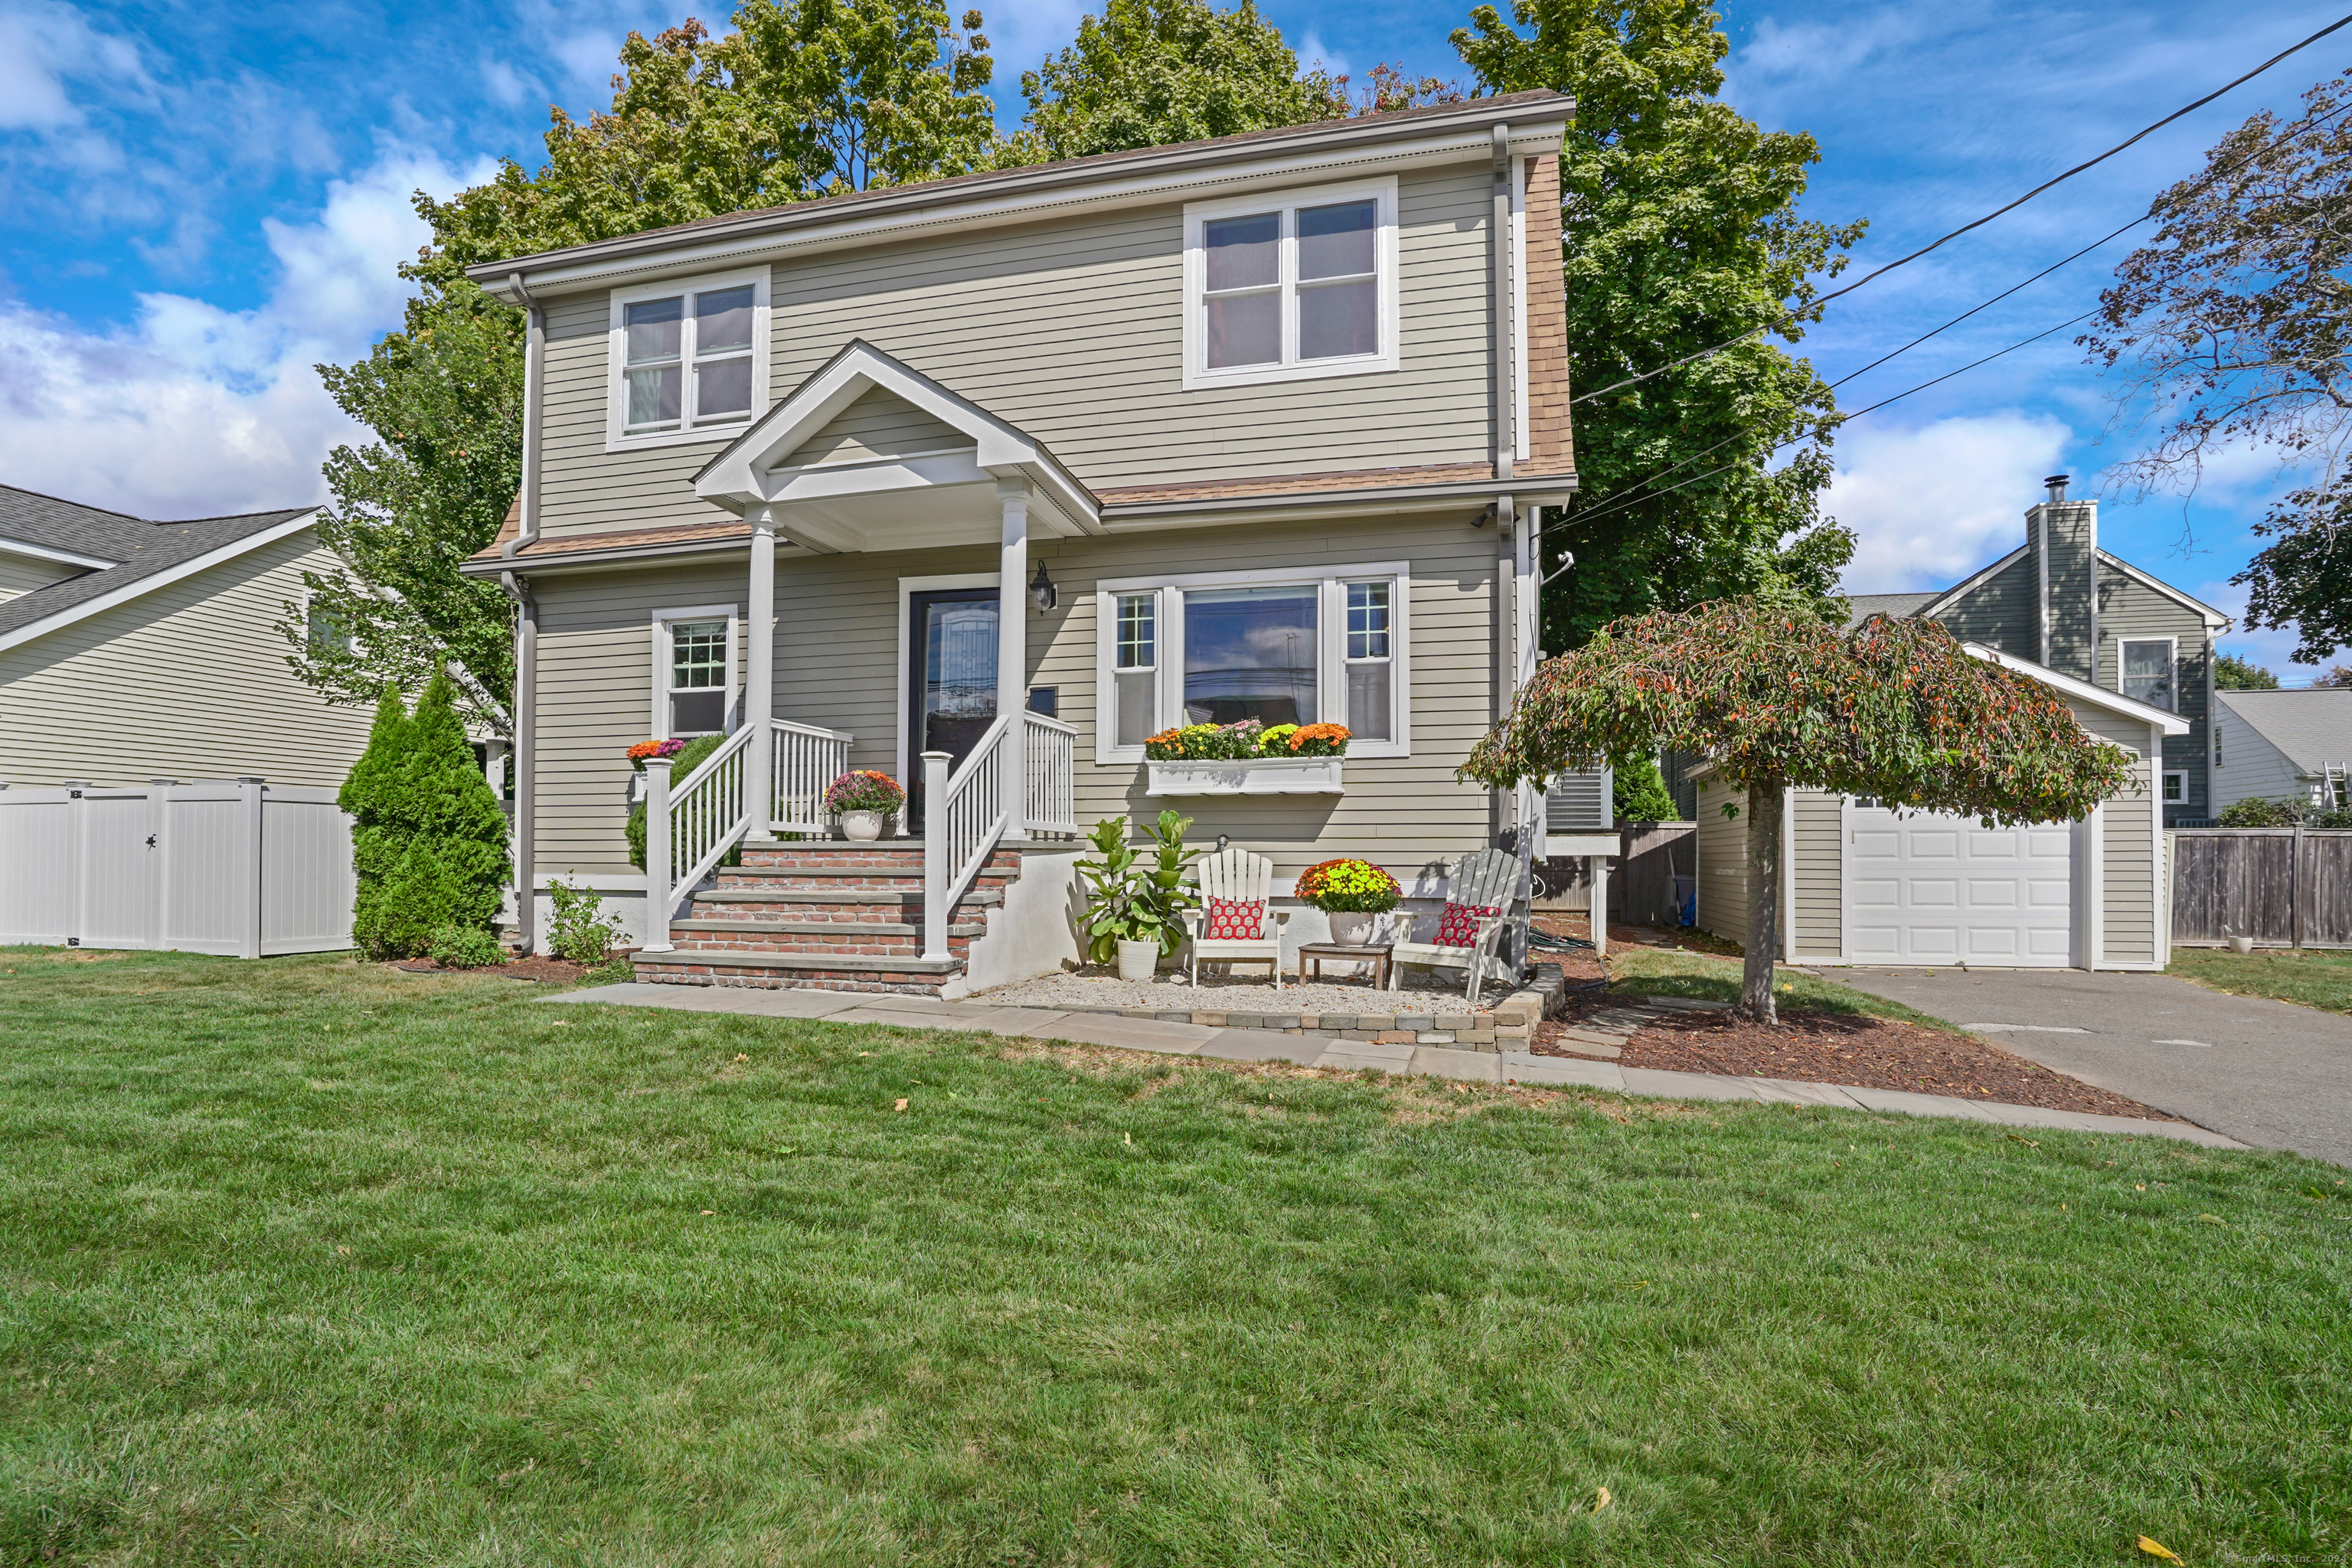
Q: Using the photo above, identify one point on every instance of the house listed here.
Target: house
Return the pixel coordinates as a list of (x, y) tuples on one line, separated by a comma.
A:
[(2060, 601), (2283, 745), (133, 650), (1258, 427), (1863, 883)]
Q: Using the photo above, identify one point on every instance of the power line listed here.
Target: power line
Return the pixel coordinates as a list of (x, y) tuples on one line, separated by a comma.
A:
[(1979, 223)]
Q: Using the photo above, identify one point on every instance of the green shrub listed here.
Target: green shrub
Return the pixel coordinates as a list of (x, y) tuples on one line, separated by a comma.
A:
[(415, 901), (2259, 813), (580, 931), (1641, 794), (696, 753), (466, 947)]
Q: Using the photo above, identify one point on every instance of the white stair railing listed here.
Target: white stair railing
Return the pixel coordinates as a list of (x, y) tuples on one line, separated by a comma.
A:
[(964, 817), (689, 829), (1050, 750), (807, 760)]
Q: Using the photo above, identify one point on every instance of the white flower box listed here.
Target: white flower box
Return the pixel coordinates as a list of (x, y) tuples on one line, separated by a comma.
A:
[(1258, 775)]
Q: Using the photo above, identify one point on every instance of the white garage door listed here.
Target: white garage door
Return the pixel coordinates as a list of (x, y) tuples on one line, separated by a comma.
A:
[(1927, 888)]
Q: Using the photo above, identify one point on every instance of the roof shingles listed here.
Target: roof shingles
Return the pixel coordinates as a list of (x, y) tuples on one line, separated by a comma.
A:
[(138, 547)]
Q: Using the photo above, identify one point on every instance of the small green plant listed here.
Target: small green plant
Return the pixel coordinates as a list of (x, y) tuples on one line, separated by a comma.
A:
[(2259, 813), (466, 947), (1130, 899), (580, 931), (1639, 793)]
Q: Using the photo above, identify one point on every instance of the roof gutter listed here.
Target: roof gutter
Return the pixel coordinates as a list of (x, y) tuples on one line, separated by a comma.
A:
[(534, 398)]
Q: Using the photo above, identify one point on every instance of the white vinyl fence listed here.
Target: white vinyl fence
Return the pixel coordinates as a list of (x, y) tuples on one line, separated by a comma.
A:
[(241, 868)]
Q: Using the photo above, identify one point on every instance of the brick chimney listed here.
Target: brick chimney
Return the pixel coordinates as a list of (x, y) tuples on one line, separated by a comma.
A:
[(2062, 542)]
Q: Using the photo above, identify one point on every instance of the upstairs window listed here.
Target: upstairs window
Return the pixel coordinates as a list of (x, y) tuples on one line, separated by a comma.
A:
[(689, 359), (2148, 672), (1292, 284)]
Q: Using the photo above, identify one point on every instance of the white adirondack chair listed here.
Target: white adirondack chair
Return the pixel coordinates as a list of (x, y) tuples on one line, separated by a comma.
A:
[(1240, 875), (1488, 879)]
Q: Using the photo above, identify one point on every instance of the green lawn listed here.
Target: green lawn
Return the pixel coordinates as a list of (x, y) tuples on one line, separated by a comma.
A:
[(2313, 977), (310, 1263)]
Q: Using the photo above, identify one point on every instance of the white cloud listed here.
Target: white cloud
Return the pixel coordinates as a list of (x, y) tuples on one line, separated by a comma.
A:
[(1930, 504), (196, 410), (42, 48)]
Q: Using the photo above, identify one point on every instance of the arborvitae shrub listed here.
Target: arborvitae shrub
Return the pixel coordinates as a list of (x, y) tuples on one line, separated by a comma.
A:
[(418, 788), (1641, 795), (455, 810)]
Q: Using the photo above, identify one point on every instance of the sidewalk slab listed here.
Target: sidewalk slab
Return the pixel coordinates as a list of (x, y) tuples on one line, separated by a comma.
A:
[(1127, 1034), (1796, 1092), (1521, 1067), (1686, 1085), (1359, 1055), (1921, 1104), (1471, 1066), (1265, 1045)]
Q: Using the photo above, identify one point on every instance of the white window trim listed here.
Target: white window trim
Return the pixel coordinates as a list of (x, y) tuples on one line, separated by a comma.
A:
[(2169, 773), (1330, 652), (661, 621), (616, 352), (1197, 215), (2172, 666)]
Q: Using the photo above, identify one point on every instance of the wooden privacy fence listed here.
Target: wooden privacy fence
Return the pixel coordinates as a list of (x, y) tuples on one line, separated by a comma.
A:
[(1641, 888), (2281, 886), (241, 868)]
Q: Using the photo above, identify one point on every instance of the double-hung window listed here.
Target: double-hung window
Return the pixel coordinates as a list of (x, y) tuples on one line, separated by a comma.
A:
[(1305, 647), (1291, 284), (689, 359), (694, 669), (2148, 672)]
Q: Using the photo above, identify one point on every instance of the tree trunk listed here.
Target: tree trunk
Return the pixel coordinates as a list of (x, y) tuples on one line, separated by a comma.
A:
[(1764, 829)]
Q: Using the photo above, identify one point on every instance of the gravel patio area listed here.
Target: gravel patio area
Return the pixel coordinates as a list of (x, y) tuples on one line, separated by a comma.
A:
[(1247, 992)]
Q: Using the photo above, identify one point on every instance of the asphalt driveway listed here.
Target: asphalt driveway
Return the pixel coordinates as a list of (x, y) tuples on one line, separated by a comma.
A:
[(2266, 1073)]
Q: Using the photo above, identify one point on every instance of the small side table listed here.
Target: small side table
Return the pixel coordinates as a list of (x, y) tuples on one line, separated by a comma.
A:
[(1375, 954)]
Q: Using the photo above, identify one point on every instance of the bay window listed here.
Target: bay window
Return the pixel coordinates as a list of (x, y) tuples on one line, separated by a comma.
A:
[(1291, 284), (688, 360), (1308, 647)]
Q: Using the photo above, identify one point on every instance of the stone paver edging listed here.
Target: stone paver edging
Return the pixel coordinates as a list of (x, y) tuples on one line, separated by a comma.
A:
[(1315, 1048)]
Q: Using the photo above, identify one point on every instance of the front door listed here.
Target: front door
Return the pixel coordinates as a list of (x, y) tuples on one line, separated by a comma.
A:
[(951, 680)]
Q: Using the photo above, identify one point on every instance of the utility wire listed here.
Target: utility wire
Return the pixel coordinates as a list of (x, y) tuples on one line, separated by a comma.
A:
[(2308, 122), (1979, 223)]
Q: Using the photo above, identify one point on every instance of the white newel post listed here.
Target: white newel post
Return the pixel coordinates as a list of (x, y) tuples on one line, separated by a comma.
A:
[(1012, 653), (935, 853), (658, 890), (759, 679)]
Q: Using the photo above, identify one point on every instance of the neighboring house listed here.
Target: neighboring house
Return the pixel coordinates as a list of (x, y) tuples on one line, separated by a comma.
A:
[(2062, 601), (2283, 745), (133, 650), (1864, 883), (1250, 428)]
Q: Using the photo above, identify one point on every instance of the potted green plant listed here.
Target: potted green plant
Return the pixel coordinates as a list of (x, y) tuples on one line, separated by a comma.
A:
[(1134, 906), (864, 800), (1351, 893)]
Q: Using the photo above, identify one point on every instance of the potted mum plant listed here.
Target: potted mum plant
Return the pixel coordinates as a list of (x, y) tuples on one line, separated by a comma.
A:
[(1351, 893), (864, 800)]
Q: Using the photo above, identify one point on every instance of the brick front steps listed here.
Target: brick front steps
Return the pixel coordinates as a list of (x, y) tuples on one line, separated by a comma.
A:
[(831, 916)]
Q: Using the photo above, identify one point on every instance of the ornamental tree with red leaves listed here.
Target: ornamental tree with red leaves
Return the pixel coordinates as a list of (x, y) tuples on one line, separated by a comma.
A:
[(1775, 697)]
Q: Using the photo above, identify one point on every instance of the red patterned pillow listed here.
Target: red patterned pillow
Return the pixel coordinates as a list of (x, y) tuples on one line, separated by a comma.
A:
[(1235, 920), (1459, 927)]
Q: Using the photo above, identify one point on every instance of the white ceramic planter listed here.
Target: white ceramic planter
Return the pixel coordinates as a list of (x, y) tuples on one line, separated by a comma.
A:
[(1259, 776), (1351, 926), (1136, 960), (863, 827)]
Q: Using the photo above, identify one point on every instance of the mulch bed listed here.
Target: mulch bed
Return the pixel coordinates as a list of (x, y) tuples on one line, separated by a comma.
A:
[(1849, 1049), (551, 971)]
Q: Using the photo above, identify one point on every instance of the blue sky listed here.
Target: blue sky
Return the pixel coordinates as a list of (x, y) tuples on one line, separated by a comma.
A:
[(199, 203)]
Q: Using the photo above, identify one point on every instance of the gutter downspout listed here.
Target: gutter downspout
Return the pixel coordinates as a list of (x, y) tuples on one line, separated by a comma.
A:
[(1506, 440), (526, 687)]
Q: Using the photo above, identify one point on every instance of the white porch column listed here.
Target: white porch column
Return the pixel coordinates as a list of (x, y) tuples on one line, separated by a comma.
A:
[(759, 678), (1012, 650)]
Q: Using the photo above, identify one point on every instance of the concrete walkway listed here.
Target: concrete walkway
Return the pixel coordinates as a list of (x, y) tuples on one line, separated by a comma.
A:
[(2271, 1073), (1324, 1050)]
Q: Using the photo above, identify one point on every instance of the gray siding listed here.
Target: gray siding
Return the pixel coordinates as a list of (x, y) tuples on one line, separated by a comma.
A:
[(1722, 862), (2131, 609), (1073, 331), (189, 681), (2127, 846), (878, 425), (1999, 612), (1816, 830), (836, 665), (2250, 767), (23, 573)]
